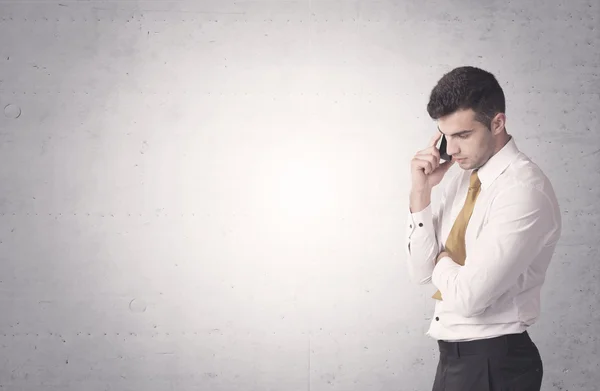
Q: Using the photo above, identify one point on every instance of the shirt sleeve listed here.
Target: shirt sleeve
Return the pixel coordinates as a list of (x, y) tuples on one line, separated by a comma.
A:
[(520, 222), (421, 244)]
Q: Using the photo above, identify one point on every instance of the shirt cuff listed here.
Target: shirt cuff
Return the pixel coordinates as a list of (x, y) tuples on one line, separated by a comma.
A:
[(444, 269), (420, 222)]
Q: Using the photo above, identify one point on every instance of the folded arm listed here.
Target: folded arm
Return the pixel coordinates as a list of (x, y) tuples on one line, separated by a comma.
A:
[(520, 221)]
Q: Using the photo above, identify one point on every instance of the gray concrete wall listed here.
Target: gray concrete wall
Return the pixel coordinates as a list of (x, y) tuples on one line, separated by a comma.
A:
[(211, 195)]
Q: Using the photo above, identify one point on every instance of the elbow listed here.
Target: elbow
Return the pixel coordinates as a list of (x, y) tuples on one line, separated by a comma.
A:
[(419, 272), (419, 278), (421, 281)]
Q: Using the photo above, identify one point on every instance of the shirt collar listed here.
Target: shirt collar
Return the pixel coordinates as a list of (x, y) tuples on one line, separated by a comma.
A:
[(498, 163)]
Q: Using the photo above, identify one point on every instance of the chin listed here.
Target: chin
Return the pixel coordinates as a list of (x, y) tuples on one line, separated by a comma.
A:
[(465, 164)]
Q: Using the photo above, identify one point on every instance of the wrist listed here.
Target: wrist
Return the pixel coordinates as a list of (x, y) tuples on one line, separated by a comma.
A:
[(419, 199)]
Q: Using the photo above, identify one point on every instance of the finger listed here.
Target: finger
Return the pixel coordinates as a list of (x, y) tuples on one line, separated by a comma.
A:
[(435, 139), (422, 164), (431, 151), (429, 158), (427, 169), (432, 155)]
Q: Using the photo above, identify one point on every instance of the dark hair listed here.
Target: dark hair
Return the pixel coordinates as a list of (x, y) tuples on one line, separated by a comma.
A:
[(467, 88)]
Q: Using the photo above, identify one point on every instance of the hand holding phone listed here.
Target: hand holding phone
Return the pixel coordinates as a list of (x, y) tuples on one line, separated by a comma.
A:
[(426, 169)]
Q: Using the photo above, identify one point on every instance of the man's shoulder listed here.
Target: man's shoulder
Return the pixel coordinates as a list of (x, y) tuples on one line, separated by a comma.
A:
[(525, 183), (525, 173)]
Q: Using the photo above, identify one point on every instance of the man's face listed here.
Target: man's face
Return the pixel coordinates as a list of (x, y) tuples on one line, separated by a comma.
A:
[(469, 142)]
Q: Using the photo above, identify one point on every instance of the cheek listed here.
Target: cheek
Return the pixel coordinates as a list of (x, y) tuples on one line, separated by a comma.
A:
[(467, 147)]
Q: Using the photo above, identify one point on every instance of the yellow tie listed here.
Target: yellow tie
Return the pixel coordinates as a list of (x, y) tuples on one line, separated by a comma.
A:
[(455, 244)]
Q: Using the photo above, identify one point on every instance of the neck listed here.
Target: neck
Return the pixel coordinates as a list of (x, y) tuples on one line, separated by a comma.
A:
[(502, 141)]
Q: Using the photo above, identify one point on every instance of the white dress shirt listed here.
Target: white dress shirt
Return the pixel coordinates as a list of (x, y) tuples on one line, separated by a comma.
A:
[(510, 240)]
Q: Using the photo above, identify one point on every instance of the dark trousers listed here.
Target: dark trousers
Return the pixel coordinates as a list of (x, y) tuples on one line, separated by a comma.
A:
[(507, 363)]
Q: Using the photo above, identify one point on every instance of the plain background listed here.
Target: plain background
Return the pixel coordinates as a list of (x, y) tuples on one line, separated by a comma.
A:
[(212, 195)]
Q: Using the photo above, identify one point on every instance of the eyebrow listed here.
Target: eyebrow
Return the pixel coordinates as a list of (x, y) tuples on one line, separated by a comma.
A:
[(457, 133)]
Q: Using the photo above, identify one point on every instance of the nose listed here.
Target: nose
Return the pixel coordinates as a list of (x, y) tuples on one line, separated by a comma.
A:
[(451, 146)]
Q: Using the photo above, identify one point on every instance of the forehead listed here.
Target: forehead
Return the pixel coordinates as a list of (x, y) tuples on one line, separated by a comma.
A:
[(457, 123)]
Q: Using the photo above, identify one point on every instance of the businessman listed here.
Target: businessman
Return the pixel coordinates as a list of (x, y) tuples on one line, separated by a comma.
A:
[(487, 246)]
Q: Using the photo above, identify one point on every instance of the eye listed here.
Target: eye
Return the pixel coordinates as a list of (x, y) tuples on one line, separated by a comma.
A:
[(463, 136)]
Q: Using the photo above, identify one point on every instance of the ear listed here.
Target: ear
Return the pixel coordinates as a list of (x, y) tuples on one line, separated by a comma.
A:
[(498, 123)]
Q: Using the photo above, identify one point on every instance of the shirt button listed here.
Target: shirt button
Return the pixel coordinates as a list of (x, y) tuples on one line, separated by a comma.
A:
[(420, 224), (436, 318)]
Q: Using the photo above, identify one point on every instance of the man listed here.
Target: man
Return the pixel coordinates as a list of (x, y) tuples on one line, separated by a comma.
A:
[(487, 247)]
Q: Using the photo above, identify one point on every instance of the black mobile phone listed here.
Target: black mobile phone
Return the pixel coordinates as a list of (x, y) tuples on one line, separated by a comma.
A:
[(442, 148)]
